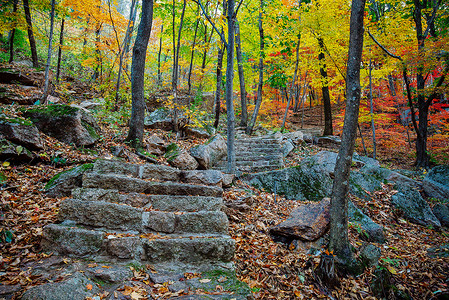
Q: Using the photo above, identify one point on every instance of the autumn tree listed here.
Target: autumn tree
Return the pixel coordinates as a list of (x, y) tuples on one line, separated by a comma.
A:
[(136, 123), (338, 239)]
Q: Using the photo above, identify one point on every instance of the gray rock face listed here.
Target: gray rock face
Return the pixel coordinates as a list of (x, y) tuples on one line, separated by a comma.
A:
[(287, 148), (21, 132), (204, 177), (112, 274), (163, 119), (209, 154), (71, 240), (159, 221), (63, 183), (297, 183), (441, 211), (436, 183), (370, 255), (68, 124), (415, 208), (307, 223), (155, 145), (371, 231), (184, 161), (328, 141), (297, 137), (12, 152), (74, 288)]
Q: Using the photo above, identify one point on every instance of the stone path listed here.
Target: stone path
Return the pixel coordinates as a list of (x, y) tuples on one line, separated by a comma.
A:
[(256, 154), (149, 215)]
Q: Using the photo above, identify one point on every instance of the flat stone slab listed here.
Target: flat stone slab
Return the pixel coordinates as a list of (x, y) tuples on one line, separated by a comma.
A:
[(127, 184)]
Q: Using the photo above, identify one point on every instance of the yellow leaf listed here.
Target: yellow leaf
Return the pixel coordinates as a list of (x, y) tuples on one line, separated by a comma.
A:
[(6, 164), (89, 287), (392, 270)]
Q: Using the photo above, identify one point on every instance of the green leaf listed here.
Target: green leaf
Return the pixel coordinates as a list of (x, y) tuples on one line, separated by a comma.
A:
[(19, 149)]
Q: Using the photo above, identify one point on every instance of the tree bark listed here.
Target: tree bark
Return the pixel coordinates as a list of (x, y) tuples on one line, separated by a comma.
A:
[(26, 8), (338, 239), (50, 43), (189, 78), (249, 129), (238, 48), (122, 54), (325, 89), (218, 86), (136, 124), (373, 128), (159, 74), (61, 42), (230, 89), (13, 32)]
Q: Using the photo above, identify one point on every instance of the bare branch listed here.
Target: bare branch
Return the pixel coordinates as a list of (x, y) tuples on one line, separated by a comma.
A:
[(383, 48), (220, 34), (432, 19), (237, 10)]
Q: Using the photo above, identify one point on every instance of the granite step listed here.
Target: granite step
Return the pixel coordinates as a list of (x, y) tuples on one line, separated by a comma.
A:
[(124, 183), (156, 202), (116, 216)]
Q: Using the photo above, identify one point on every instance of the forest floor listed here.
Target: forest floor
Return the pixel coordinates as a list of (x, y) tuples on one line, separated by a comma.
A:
[(273, 271)]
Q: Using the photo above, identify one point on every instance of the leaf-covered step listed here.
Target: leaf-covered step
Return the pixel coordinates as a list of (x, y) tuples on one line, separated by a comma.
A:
[(124, 217), (157, 202), (123, 183), (80, 242)]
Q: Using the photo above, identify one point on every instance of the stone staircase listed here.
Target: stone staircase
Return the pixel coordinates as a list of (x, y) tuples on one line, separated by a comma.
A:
[(148, 214), (256, 154)]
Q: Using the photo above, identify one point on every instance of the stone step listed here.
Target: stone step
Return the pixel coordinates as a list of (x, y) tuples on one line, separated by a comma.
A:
[(257, 141), (124, 183), (240, 148), (124, 217), (254, 158), (252, 163), (253, 169), (81, 242), (145, 171), (249, 152), (156, 202)]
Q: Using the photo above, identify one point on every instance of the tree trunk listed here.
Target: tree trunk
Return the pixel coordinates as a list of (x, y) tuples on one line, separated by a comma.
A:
[(159, 74), (61, 42), (13, 32), (98, 67), (189, 83), (50, 43), (218, 87), (136, 124), (373, 128), (238, 48), (26, 8), (175, 69), (252, 123), (122, 54), (338, 238), (325, 89), (230, 88)]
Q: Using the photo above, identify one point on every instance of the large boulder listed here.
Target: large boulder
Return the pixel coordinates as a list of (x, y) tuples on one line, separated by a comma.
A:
[(62, 184), (180, 158), (68, 124), (441, 211), (369, 230), (436, 183), (414, 207), (296, 183), (12, 152), (20, 131), (211, 152), (155, 145), (162, 118), (306, 223)]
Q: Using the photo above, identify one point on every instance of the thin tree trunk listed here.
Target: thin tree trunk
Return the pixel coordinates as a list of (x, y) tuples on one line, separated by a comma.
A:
[(122, 54), (286, 110), (175, 72), (189, 83), (252, 123), (61, 42), (26, 8), (136, 125), (363, 141), (325, 89), (391, 85), (159, 74), (230, 88), (238, 48), (13, 32), (98, 67), (371, 108), (338, 238), (218, 86), (50, 43)]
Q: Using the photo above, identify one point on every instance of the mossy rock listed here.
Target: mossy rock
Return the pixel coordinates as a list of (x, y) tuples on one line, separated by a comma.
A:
[(45, 111), (15, 153), (4, 119), (62, 184)]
